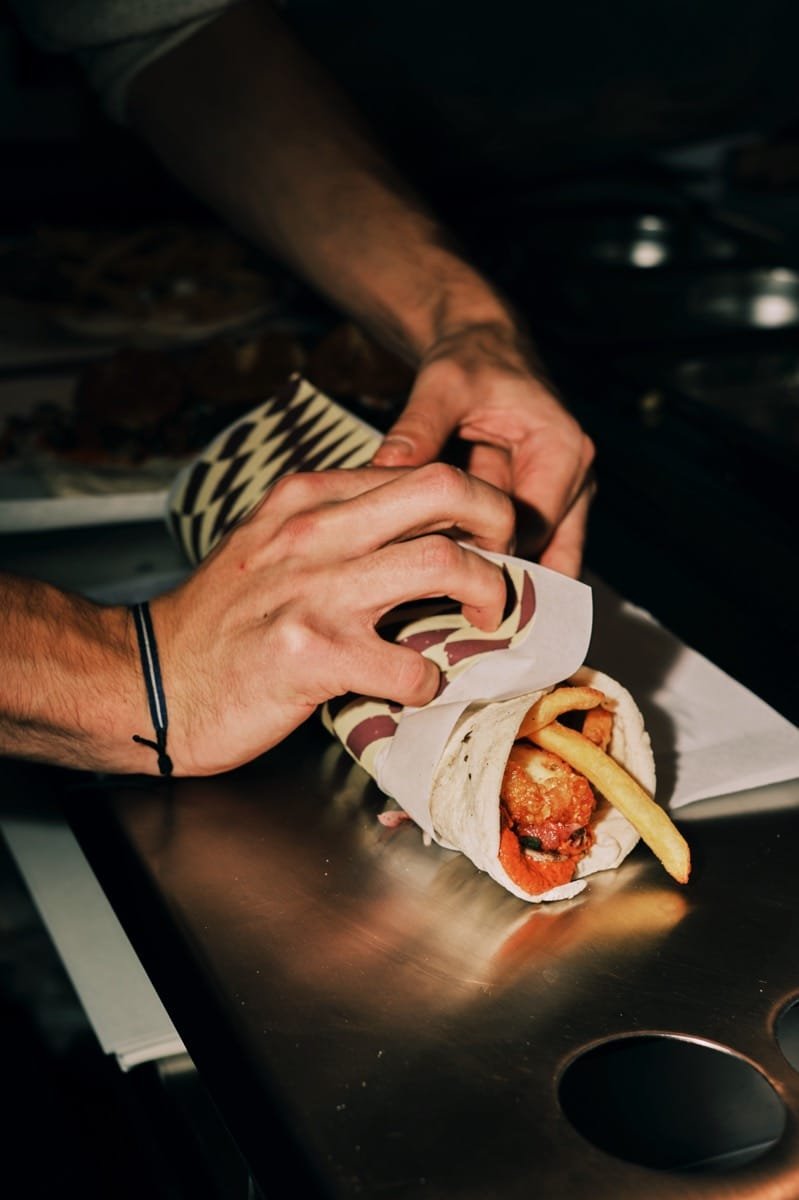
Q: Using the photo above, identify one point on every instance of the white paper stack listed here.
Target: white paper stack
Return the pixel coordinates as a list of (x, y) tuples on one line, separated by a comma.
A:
[(116, 994)]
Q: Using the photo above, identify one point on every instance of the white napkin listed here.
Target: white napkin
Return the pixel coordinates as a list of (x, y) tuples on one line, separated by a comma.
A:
[(711, 736)]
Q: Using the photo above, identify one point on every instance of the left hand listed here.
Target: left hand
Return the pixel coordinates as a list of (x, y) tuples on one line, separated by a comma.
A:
[(481, 384)]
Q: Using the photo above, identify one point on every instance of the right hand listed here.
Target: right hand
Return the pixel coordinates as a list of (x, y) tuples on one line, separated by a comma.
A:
[(281, 616), (483, 384)]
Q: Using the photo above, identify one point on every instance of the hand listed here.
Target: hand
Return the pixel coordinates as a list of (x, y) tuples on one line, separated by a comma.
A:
[(481, 384), (281, 616), (319, 194)]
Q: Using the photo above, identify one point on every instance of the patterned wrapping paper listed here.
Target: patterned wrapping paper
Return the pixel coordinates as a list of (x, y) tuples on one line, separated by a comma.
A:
[(453, 793), (542, 639), (296, 429), (366, 726)]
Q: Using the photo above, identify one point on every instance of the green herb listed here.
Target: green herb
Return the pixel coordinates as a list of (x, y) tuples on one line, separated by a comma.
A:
[(530, 843)]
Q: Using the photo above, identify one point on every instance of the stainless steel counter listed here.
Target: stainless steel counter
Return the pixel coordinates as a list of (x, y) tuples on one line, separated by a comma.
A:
[(380, 1020), (398, 1025)]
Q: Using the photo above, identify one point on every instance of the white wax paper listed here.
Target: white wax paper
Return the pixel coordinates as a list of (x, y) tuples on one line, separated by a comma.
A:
[(711, 736), (553, 648)]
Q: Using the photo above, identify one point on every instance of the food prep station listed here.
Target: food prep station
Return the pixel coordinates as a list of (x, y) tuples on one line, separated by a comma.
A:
[(361, 1014), (336, 1004)]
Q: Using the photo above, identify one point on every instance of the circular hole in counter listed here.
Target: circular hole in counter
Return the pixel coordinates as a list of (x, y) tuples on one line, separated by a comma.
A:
[(787, 1033), (671, 1102)]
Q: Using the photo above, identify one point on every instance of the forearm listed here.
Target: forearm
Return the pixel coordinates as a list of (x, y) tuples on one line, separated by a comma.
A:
[(245, 117), (70, 692)]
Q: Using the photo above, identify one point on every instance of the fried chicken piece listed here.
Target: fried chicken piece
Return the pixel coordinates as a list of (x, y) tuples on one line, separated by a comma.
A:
[(545, 799), (545, 807), (534, 873)]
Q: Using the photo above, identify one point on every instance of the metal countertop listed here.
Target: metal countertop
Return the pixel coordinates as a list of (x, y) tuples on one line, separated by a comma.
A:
[(383, 1021), (377, 1014)]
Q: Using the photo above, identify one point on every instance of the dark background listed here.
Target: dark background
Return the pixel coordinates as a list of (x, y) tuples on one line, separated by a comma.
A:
[(477, 104), (498, 113)]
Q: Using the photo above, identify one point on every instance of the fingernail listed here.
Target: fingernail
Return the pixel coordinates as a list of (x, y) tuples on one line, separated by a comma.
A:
[(395, 447)]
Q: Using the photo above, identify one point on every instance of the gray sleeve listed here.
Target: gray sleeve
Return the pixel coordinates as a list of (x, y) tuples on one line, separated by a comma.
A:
[(114, 39)]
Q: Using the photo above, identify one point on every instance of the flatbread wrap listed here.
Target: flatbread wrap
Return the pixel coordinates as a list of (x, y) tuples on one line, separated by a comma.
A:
[(539, 842), (534, 766), (521, 812)]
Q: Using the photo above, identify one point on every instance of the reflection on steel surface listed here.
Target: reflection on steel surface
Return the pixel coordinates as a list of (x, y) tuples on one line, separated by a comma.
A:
[(415, 1018), (787, 1032)]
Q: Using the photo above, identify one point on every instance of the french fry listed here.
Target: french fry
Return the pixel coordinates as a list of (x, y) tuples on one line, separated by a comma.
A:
[(555, 703), (621, 790), (598, 726)]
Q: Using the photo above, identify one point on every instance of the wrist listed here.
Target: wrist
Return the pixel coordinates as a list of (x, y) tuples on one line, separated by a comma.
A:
[(68, 686), (501, 346), (459, 307), (150, 662), (110, 693), (473, 340), (116, 705)]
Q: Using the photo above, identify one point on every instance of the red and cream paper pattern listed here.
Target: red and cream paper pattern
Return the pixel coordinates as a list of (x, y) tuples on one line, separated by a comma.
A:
[(542, 640)]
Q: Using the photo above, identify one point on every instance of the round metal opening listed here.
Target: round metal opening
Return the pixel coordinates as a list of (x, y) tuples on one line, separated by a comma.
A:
[(787, 1031), (672, 1103)]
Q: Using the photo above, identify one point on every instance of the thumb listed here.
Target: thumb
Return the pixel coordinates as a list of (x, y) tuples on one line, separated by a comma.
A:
[(417, 436)]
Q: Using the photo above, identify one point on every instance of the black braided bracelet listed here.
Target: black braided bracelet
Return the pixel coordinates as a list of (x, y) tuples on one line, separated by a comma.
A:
[(151, 668)]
